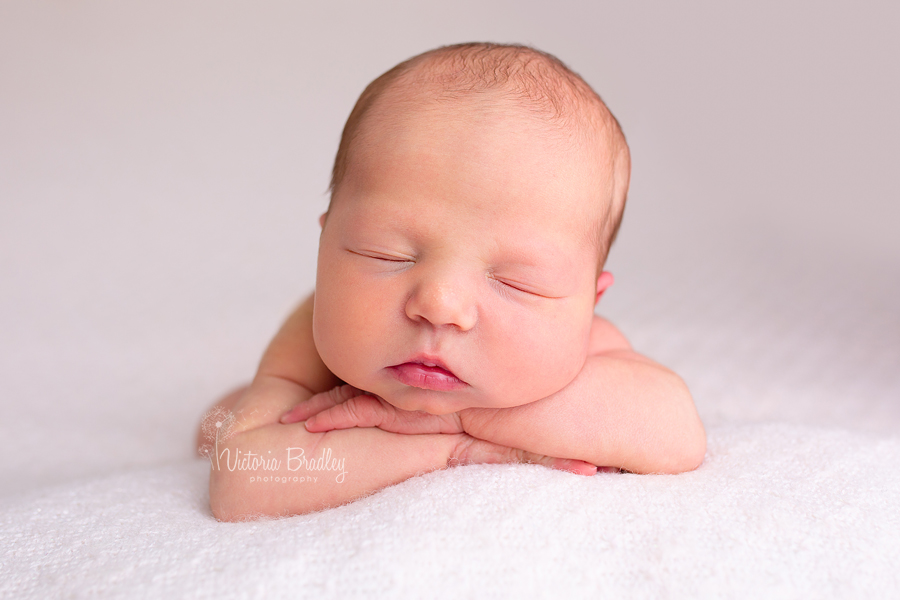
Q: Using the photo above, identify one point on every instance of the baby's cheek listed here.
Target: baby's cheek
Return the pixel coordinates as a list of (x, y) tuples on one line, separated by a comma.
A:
[(513, 361), (324, 338), (549, 358), (347, 334)]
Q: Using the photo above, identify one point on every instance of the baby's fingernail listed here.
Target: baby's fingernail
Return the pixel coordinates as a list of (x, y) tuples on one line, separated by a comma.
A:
[(288, 417), (585, 470), (579, 467)]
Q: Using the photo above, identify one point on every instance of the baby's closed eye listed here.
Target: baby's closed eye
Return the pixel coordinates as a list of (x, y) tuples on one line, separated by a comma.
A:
[(513, 285), (382, 256), (524, 287)]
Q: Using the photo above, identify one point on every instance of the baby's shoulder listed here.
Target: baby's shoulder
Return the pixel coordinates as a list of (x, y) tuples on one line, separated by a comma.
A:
[(605, 337)]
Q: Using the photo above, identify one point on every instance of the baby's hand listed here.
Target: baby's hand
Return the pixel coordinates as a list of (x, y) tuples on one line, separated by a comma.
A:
[(345, 407)]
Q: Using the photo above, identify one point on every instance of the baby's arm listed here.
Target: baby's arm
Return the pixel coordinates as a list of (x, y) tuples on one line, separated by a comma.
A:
[(622, 410), (311, 471)]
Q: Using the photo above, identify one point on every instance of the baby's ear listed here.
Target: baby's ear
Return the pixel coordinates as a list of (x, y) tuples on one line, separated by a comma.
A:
[(322, 218), (603, 282)]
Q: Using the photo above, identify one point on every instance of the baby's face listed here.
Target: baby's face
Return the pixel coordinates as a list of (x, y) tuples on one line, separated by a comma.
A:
[(456, 266)]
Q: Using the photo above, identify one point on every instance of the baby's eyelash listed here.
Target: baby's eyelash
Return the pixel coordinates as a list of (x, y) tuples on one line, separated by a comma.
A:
[(386, 259), (512, 286), (515, 287), (382, 257), (522, 289)]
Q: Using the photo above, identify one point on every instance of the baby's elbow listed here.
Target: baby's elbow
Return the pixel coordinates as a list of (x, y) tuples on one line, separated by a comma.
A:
[(693, 451), (234, 496), (686, 455), (689, 450), (222, 511), (682, 444), (227, 500), (237, 496)]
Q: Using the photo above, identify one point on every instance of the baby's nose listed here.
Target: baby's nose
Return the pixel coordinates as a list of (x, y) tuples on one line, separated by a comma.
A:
[(443, 301)]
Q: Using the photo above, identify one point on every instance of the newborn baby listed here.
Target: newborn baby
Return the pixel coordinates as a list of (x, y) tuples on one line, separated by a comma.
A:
[(475, 195)]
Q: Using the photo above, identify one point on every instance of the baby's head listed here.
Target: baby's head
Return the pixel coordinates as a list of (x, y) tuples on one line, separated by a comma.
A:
[(475, 195)]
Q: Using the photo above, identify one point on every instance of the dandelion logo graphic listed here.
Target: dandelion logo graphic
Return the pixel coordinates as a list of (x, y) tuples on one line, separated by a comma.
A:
[(217, 425)]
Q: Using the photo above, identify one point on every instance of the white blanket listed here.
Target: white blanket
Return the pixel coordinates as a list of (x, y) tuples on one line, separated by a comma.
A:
[(781, 511)]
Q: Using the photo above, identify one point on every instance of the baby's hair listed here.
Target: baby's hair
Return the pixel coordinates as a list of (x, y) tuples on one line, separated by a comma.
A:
[(534, 79)]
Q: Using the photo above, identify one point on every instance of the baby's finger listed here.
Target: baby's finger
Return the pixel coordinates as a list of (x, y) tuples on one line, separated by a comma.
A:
[(360, 411), (319, 403), (371, 411), (578, 467), (472, 451)]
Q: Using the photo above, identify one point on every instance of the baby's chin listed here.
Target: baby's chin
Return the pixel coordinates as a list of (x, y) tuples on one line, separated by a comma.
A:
[(425, 403), (440, 403)]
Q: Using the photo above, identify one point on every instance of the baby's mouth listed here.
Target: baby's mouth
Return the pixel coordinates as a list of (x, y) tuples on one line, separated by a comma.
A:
[(427, 375)]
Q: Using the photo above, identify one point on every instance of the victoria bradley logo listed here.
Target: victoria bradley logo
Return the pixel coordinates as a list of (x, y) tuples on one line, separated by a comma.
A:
[(218, 424)]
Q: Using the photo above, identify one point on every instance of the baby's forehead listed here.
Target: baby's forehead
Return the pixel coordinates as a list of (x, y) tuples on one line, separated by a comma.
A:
[(484, 118), (562, 159), (576, 133)]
